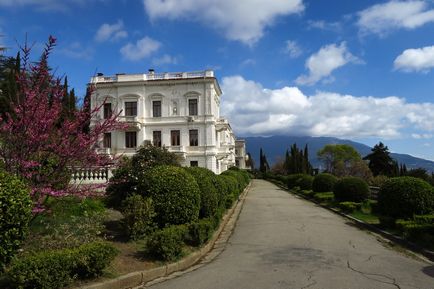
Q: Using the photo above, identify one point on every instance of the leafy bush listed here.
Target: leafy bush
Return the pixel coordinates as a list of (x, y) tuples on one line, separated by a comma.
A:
[(208, 192), (349, 207), (57, 269), (424, 219), (233, 190), (15, 214), (175, 194), (378, 181), (351, 189), (138, 214), (130, 178), (404, 197), (223, 190), (303, 181), (91, 259), (199, 232), (167, 244), (324, 197), (324, 183)]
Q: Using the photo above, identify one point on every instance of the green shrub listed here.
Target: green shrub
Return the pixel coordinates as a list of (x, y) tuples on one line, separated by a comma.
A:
[(302, 181), (91, 259), (209, 198), (241, 176), (324, 183), (167, 244), (15, 214), (175, 194), (349, 207), (378, 181), (223, 190), (199, 232), (233, 190), (404, 197), (351, 189), (57, 269), (138, 214), (424, 219), (129, 178), (324, 197), (387, 222)]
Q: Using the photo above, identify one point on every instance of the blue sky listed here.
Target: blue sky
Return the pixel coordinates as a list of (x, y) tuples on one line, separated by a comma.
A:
[(361, 70)]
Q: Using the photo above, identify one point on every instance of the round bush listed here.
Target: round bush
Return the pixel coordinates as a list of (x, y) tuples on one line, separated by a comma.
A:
[(15, 214), (302, 181), (175, 194), (232, 189), (324, 183), (351, 189), (404, 197), (167, 244), (223, 190), (208, 192)]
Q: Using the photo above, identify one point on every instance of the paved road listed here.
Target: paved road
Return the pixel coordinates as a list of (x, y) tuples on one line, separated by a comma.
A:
[(281, 241)]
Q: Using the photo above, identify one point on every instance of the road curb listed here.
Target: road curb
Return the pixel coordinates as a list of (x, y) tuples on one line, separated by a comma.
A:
[(360, 224), (138, 278)]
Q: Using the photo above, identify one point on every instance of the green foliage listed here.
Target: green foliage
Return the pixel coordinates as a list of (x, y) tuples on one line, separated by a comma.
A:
[(380, 162), (349, 207), (424, 219), (339, 159), (130, 177), (167, 244), (138, 214), (324, 183), (324, 197), (420, 173), (209, 198), (232, 189), (57, 269), (199, 232), (403, 197), (378, 181), (15, 214), (175, 194), (297, 161), (69, 222), (263, 163), (242, 178), (351, 189), (223, 190), (302, 181)]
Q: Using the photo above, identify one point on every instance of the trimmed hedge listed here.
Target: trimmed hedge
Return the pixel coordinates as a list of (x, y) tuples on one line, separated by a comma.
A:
[(324, 183), (199, 232), (351, 189), (349, 207), (57, 269), (167, 244), (138, 214), (15, 214), (175, 194), (404, 197), (324, 197), (209, 198), (302, 181)]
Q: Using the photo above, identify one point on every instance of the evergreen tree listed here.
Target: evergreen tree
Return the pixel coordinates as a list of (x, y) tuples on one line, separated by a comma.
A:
[(9, 69), (263, 163), (380, 161)]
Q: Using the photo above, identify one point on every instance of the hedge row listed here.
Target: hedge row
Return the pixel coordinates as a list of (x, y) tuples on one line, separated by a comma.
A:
[(57, 269)]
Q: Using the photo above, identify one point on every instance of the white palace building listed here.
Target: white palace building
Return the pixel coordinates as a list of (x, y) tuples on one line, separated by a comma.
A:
[(180, 111)]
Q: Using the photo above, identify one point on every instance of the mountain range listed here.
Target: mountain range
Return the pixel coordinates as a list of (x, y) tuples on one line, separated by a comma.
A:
[(275, 147)]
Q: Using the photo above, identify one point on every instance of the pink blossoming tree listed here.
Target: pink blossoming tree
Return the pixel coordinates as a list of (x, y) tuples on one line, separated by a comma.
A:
[(38, 143)]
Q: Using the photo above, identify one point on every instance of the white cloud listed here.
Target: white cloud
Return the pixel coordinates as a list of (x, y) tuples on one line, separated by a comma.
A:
[(322, 63), (77, 50), (111, 32), (255, 110), (141, 49), (421, 136), (382, 18), (241, 20), (323, 25), (418, 59), (292, 49), (164, 60)]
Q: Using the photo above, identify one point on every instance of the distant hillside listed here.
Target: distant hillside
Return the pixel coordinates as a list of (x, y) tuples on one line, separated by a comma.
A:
[(275, 147)]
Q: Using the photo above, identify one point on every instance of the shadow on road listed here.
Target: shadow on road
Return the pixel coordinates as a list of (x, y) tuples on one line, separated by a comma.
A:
[(429, 271)]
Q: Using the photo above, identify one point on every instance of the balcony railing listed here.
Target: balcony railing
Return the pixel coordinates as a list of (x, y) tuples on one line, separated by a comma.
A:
[(152, 76)]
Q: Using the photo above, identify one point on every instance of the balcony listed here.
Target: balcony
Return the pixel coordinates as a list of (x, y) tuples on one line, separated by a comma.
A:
[(222, 124), (131, 121), (152, 76), (178, 150)]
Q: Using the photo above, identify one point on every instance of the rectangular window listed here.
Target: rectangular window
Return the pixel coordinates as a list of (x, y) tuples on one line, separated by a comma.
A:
[(107, 142), (156, 138), (194, 163), (175, 136), (192, 107), (107, 110), (130, 139), (194, 137), (131, 108), (156, 108)]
